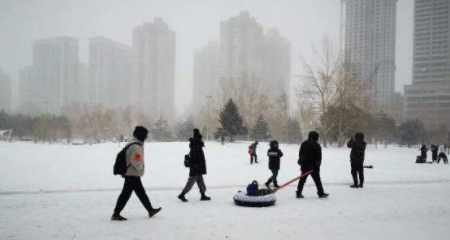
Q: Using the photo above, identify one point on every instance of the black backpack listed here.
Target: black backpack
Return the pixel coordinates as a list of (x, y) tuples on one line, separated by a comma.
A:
[(120, 166)]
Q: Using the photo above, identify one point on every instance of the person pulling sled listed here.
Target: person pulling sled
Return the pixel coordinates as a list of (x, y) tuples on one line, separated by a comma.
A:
[(310, 159)]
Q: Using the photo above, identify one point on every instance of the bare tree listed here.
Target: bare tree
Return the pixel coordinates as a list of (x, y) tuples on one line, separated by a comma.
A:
[(329, 82)]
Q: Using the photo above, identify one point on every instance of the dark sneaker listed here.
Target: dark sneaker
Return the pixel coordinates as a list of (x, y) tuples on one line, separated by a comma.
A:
[(205, 198), (276, 185), (117, 218), (299, 195), (354, 186), (360, 186), (153, 212), (182, 198), (267, 184), (323, 195)]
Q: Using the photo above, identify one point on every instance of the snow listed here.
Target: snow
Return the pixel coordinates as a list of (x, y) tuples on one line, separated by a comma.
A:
[(64, 192)]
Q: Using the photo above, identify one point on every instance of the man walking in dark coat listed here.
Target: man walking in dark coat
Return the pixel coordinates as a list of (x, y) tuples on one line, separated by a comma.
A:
[(252, 152), (358, 147), (310, 158), (135, 170), (274, 155), (197, 165), (434, 152)]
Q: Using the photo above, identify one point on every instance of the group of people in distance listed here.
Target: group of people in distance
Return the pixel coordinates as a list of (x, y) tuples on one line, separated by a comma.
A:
[(310, 160), (437, 154)]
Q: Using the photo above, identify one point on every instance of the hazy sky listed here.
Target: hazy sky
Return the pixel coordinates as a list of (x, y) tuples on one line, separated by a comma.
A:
[(195, 22)]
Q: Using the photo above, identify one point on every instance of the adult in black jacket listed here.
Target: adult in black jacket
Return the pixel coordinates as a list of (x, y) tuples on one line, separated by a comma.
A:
[(358, 147), (274, 155), (310, 158), (423, 153), (434, 152), (197, 166)]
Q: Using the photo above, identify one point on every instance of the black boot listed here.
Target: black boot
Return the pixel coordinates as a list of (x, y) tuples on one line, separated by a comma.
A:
[(204, 198), (323, 195), (360, 185), (355, 184), (117, 217), (275, 184), (267, 183), (299, 195), (153, 212), (182, 198)]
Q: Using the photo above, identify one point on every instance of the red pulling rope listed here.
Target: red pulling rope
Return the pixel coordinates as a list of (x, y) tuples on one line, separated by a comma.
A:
[(293, 180)]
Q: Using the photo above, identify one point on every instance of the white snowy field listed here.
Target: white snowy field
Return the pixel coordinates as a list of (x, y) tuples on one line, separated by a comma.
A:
[(68, 192)]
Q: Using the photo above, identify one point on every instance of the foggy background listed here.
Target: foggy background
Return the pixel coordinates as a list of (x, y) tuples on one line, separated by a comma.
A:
[(195, 22)]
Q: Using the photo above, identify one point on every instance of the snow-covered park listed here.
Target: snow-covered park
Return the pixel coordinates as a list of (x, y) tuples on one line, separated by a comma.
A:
[(69, 192)]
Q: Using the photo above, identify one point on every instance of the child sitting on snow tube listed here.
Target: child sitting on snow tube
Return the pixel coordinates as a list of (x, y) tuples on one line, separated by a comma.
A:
[(255, 197), (252, 189)]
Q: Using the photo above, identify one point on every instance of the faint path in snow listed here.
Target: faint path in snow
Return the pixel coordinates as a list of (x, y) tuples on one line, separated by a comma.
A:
[(156, 189)]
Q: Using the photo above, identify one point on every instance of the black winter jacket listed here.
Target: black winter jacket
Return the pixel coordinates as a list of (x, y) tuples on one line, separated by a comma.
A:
[(274, 155), (197, 163), (357, 152), (311, 153)]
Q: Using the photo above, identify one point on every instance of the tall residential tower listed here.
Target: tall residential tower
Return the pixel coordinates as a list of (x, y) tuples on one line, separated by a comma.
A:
[(428, 97), (109, 73), (369, 41), (5, 92), (55, 66), (153, 88)]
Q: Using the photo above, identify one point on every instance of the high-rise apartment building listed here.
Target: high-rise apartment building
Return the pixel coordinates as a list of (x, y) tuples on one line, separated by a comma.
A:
[(428, 97), (206, 73), (369, 41), (109, 73), (5, 92), (55, 66), (28, 91), (241, 47), (277, 63), (247, 52), (153, 89)]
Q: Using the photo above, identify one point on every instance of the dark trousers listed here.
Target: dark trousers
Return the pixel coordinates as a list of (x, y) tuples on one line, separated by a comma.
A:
[(253, 156), (190, 183), (434, 156), (358, 170), (315, 176), (132, 184), (274, 176)]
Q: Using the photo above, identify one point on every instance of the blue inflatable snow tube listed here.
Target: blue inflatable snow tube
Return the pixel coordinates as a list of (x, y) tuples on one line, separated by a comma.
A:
[(243, 199)]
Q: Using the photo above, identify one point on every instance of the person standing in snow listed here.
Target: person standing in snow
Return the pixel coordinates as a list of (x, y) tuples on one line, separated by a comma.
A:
[(434, 152), (197, 166), (357, 153), (423, 153), (442, 155), (274, 154), (252, 152), (310, 158), (134, 172)]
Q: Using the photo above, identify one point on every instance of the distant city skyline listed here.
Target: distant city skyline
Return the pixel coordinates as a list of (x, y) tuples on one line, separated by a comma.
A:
[(24, 21)]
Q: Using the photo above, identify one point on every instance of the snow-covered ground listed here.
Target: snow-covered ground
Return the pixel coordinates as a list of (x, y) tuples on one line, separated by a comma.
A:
[(68, 192)]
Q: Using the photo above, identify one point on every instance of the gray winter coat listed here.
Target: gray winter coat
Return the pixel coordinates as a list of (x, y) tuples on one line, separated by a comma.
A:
[(135, 159)]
